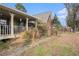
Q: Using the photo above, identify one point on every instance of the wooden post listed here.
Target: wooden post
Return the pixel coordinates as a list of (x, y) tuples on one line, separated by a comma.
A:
[(49, 27), (36, 24), (27, 24), (12, 24), (0, 30)]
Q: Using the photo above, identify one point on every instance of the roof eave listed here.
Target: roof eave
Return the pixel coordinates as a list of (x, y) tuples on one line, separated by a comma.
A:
[(12, 10)]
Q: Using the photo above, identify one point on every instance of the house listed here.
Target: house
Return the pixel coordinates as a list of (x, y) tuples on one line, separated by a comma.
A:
[(13, 21), (44, 17), (45, 20)]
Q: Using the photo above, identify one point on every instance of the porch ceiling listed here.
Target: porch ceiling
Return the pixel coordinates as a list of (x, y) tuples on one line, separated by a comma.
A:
[(15, 11)]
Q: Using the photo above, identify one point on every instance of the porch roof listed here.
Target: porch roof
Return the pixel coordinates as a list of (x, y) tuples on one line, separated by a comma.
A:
[(15, 11)]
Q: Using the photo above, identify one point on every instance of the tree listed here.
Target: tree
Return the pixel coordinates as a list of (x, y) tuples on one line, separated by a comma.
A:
[(20, 7), (72, 15), (56, 22)]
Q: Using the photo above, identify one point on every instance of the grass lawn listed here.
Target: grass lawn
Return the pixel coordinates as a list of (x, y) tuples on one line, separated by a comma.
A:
[(65, 45)]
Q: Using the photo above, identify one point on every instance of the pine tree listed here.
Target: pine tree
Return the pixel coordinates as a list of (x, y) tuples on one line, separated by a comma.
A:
[(20, 7), (56, 22)]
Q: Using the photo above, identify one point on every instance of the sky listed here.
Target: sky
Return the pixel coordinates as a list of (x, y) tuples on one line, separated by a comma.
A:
[(35, 8)]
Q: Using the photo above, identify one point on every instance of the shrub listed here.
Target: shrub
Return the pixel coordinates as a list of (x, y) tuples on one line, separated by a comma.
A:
[(42, 30), (27, 38)]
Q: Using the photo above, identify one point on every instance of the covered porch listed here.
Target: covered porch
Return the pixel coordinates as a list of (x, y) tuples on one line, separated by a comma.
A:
[(13, 22)]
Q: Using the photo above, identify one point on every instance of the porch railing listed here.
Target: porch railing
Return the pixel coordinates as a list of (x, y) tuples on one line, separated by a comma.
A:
[(6, 29)]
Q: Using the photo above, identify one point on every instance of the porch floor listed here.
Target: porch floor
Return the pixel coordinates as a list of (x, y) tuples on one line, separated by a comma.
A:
[(8, 36)]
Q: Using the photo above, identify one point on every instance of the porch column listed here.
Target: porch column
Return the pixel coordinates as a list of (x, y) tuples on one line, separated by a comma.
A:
[(12, 23), (27, 24)]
